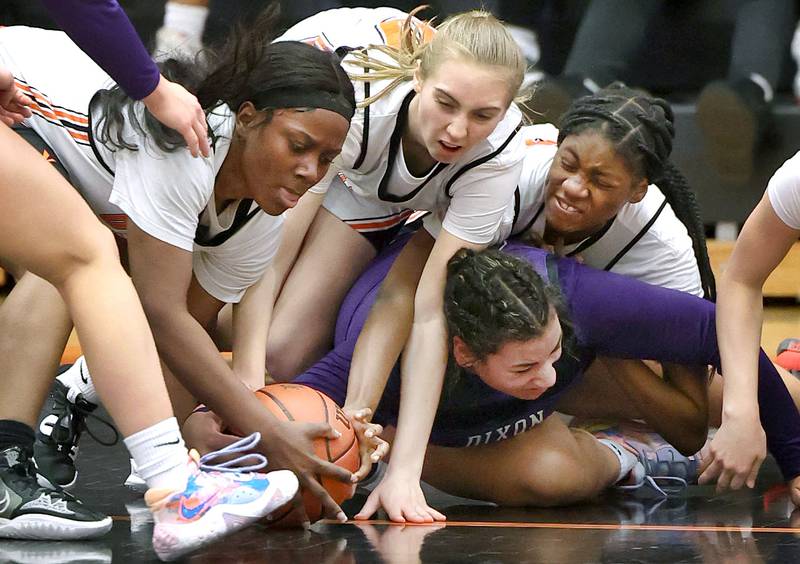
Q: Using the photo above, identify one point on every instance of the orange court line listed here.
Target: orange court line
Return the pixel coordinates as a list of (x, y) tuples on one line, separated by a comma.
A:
[(578, 526), (596, 526)]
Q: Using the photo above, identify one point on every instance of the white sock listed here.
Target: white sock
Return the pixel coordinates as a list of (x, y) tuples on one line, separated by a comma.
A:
[(160, 455), (627, 460), (78, 380), (187, 19)]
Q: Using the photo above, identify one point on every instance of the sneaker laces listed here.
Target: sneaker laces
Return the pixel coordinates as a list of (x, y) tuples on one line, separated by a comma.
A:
[(256, 460), (662, 486), (77, 414)]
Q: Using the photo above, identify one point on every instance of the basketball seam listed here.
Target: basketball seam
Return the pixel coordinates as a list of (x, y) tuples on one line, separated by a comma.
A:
[(278, 402), (328, 421)]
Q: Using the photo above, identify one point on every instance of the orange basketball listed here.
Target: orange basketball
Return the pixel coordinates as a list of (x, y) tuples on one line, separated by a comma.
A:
[(293, 402)]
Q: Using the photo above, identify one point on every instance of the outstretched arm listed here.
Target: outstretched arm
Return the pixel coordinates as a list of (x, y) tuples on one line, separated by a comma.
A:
[(162, 275), (423, 366), (388, 325), (250, 321), (739, 444)]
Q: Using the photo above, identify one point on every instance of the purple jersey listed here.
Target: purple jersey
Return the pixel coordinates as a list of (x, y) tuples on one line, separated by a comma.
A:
[(104, 32), (612, 315)]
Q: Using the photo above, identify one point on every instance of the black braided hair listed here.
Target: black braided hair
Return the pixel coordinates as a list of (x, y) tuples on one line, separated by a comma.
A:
[(246, 67), (492, 298), (640, 127), (683, 202)]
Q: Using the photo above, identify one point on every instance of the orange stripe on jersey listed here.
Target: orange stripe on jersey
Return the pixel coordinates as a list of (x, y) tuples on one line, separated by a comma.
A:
[(321, 44), (538, 141), (392, 31), (78, 136), (382, 224), (55, 112)]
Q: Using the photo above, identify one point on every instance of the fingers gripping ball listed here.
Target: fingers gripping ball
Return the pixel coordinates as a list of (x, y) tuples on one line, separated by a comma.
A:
[(293, 402)]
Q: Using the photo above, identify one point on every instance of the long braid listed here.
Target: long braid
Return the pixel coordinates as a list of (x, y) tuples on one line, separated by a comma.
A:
[(682, 199), (641, 129)]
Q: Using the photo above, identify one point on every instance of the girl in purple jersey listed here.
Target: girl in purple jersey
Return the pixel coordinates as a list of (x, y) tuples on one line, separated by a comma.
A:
[(523, 326)]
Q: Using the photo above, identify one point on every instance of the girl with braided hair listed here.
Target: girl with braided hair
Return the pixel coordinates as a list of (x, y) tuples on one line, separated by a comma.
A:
[(603, 187), (200, 232), (523, 325)]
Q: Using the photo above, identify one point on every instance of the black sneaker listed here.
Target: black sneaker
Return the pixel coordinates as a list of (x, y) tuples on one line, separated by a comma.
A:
[(29, 511), (57, 438)]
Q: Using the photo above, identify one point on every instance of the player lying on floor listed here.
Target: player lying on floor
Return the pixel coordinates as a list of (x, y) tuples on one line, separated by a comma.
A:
[(523, 326)]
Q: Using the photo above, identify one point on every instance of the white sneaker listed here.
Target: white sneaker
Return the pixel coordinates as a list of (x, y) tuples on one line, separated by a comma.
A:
[(134, 481), (214, 504)]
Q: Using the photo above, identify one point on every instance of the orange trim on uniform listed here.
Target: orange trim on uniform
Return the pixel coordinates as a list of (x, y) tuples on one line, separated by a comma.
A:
[(381, 224), (391, 29), (61, 113)]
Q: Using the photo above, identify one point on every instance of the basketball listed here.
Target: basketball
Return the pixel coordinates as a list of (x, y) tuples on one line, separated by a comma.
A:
[(293, 402)]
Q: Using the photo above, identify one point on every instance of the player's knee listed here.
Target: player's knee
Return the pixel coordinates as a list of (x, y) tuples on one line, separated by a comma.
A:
[(552, 478), (98, 247), (94, 247), (286, 357)]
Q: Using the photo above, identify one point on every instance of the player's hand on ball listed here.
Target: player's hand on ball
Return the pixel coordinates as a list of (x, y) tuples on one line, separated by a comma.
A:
[(292, 448), (371, 446)]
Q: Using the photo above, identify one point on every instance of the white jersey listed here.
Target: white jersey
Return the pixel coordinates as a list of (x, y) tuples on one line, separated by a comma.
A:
[(645, 240), (169, 196), (369, 185), (784, 192)]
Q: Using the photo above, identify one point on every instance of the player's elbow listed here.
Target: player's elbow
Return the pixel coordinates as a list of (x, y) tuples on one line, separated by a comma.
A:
[(692, 437)]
